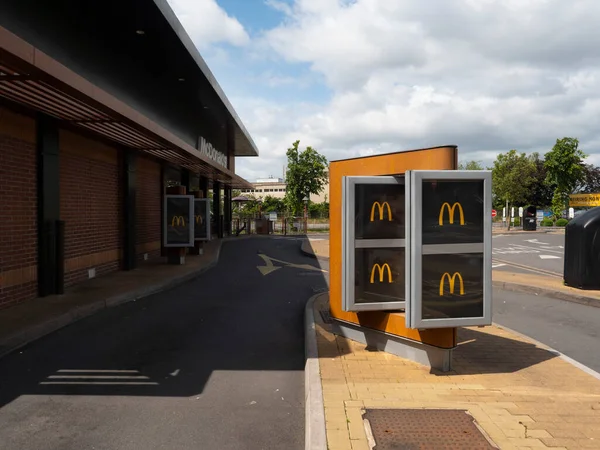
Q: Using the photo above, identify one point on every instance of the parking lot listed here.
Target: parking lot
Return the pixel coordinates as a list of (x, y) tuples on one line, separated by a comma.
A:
[(541, 253)]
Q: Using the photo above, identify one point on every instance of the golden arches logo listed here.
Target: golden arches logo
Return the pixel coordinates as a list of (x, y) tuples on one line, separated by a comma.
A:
[(451, 213), (199, 219), (451, 282), (381, 210), (178, 221), (381, 272)]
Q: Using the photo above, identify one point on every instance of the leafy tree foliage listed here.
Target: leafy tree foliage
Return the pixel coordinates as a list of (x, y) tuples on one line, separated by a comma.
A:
[(470, 165), (541, 189), (513, 175), (591, 180), (306, 174), (565, 167)]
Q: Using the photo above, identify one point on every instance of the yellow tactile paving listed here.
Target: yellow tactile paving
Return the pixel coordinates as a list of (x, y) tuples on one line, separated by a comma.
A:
[(521, 395)]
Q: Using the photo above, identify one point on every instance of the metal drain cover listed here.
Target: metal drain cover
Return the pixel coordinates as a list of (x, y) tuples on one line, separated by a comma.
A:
[(425, 429)]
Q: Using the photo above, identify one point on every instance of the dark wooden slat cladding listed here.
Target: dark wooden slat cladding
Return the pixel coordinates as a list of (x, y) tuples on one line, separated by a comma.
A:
[(29, 86)]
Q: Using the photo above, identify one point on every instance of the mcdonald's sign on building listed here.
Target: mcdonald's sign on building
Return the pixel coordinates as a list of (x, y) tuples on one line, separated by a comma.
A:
[(419, 243), (179, 221)]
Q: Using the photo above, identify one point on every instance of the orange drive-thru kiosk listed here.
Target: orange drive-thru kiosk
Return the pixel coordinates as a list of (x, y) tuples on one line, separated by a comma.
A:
[(384, 329)]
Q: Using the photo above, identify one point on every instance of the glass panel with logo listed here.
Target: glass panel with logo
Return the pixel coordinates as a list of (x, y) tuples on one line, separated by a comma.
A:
[(379, 211), (449, 249), (379, 275), (452, 211), (452, 286), (179, 219)]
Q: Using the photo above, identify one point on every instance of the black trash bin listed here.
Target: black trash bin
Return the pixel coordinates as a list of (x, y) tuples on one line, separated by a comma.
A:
[(582, 251), (530, 218)]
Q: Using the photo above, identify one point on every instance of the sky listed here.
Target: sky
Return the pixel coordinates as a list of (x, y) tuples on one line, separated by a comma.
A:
[(362, 77)]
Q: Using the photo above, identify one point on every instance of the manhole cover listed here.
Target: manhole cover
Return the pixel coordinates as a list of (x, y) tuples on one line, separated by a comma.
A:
[(425, 429)]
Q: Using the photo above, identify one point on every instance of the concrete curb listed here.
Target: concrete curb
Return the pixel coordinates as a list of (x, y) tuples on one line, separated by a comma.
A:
[(22, 338), (555, 352), (315, 436), (310, 253), (573, 298)]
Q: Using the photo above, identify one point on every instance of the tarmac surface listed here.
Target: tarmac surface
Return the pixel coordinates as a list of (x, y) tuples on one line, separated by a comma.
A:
[(541, 253), (570, 328), (215, 363)]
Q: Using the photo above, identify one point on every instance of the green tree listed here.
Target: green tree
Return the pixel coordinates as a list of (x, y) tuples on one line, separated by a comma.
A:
[(565, 167), (470, 165), (512, 177), (273, 204), (306, 174), (319, 210), (591, 182), (541, 189)]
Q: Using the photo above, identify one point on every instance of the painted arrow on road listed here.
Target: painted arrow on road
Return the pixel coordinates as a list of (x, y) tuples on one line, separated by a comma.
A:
[(269, 267)]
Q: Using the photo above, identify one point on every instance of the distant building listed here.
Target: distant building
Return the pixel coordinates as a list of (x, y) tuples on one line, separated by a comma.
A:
[(276, 187)]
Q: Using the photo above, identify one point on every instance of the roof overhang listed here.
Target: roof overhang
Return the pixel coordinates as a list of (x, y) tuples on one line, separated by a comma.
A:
[(243, 143), (31, 78)]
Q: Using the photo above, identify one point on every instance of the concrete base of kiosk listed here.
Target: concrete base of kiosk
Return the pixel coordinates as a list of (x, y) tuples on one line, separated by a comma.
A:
[(428, 355)]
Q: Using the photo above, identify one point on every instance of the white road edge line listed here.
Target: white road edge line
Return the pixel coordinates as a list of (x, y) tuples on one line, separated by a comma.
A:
[(566, 358), (315, 436)]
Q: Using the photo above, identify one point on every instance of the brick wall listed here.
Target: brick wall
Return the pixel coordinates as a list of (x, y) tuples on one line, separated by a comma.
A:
[(148, 208), (90, 204), (18, 209)]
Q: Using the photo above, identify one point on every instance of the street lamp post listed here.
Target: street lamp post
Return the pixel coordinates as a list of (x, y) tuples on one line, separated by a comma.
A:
[(305, 200)]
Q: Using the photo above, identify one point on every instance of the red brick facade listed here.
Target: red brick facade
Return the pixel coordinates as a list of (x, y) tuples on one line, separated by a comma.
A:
[(90, 205), (18, 209), (91, 202), (148, 208)]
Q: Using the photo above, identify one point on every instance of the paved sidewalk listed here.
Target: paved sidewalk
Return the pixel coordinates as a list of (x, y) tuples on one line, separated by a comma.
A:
[(521, 394), (529, 283), (31, 320)]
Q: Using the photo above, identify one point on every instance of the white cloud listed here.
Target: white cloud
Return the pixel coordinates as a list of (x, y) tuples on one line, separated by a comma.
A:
[(207, 23), (487, 75)]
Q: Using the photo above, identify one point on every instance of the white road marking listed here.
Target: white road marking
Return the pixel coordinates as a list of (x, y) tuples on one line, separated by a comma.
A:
[(537, 249), (497, 265), (549, 257), (535, 241), (269, 267)]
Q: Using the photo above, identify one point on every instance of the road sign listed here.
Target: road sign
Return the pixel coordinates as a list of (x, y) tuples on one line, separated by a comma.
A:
[(584, 200), (494, 213), (520, 211)]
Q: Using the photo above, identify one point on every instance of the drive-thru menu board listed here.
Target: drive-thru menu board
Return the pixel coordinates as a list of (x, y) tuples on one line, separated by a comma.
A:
[(420, 243), (373, 241), (202, 219), (178, 221)]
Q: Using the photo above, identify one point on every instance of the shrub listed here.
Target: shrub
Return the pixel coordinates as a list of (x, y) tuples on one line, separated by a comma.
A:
[(561, 222), (547, 223)]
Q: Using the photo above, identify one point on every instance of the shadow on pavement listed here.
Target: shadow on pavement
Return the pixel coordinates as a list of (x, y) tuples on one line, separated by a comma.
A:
[(232, 319), (480, 352)]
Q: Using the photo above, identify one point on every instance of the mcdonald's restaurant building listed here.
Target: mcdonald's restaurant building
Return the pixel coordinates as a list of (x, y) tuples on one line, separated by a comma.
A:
[(103, 105)]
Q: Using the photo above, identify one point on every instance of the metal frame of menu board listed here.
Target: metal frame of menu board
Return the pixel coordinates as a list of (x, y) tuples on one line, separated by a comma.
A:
[(207, 218), (350, 244), (190, 241), (416, 250)]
